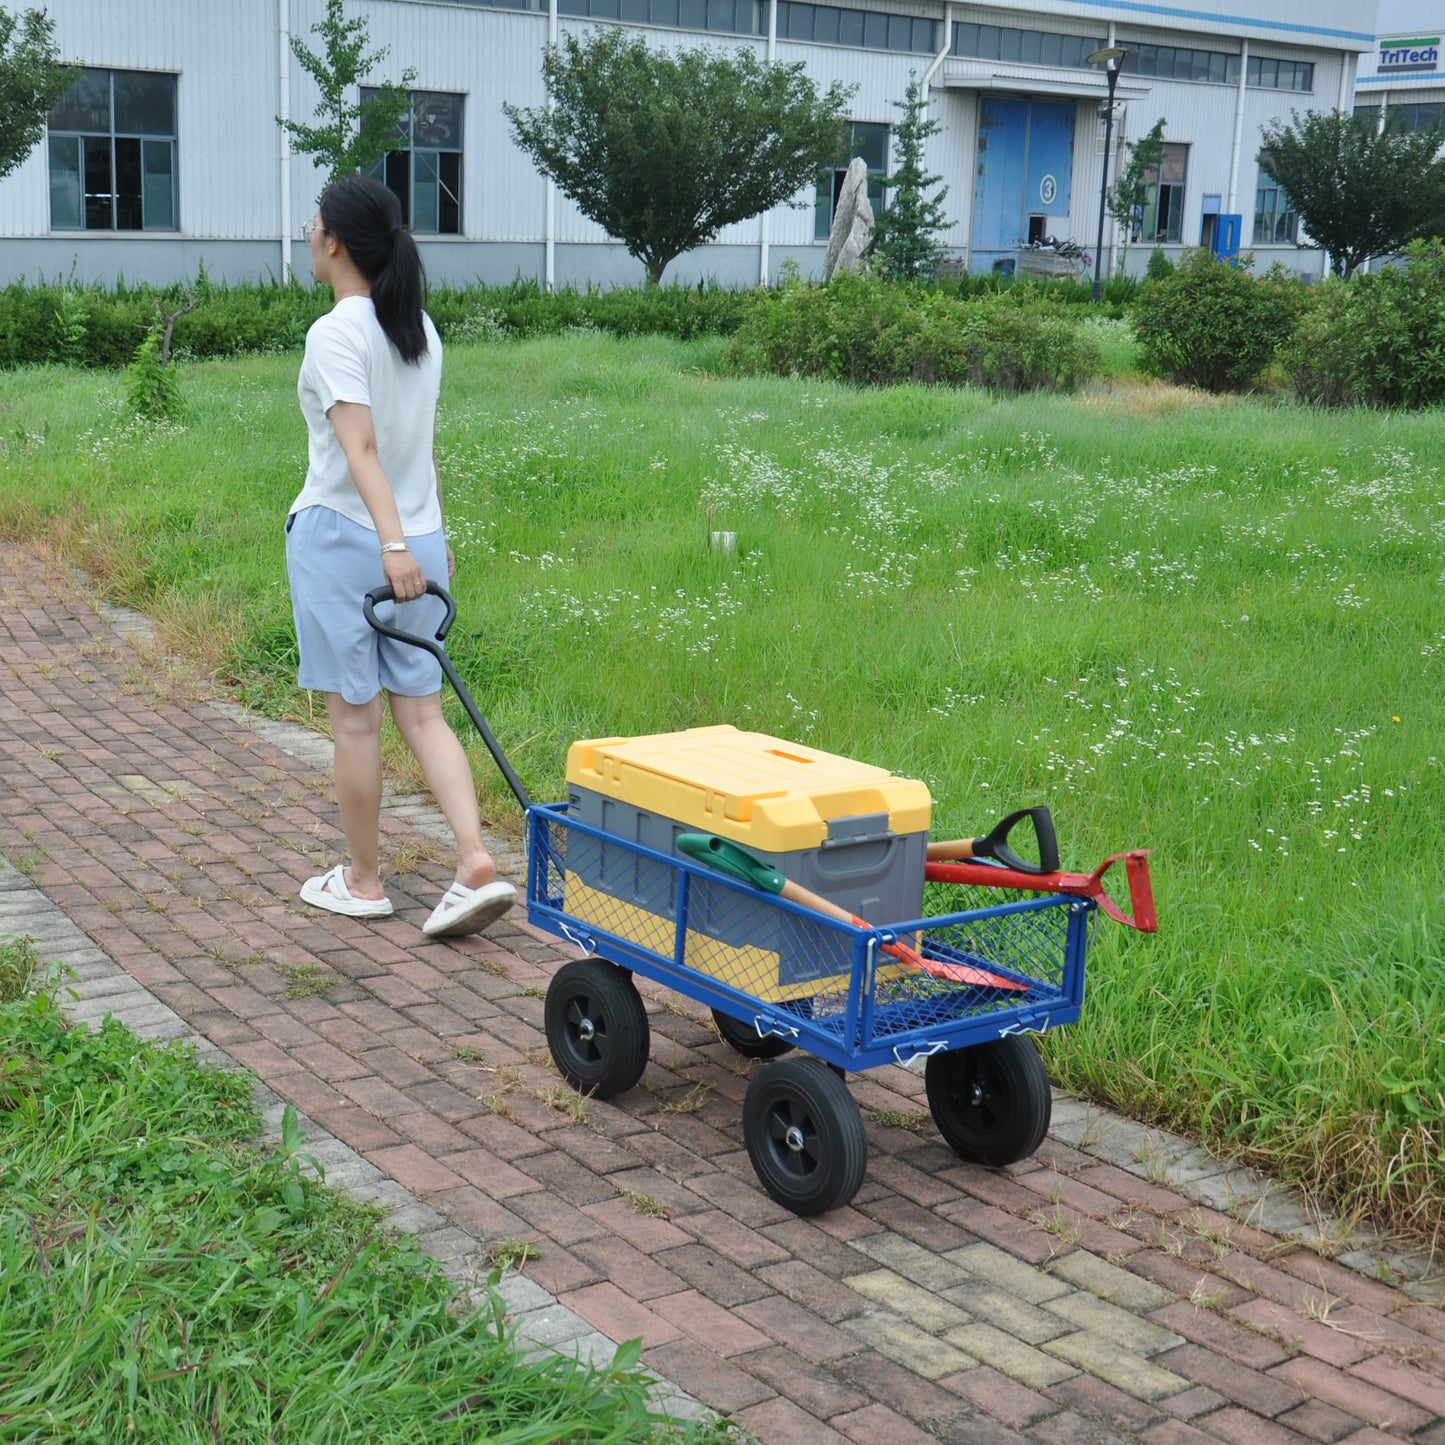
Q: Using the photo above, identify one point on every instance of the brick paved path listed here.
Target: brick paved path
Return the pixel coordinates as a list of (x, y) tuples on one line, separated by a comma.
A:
[(1073, 1298)]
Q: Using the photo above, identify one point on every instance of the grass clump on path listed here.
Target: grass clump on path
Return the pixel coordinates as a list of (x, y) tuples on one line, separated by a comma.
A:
[(164, 1280), (1210, 626)]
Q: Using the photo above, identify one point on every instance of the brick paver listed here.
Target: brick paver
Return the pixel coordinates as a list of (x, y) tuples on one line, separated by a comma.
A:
[(1066, 1299)]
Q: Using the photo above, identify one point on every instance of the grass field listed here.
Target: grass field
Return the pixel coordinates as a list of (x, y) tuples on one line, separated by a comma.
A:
[(163, 1280), (1209, 627)]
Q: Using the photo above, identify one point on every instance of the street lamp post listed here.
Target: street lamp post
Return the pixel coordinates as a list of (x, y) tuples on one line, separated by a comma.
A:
[(1111, 57)]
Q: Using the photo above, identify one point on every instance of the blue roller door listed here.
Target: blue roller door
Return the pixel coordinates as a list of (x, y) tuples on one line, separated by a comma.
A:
[(1025, 167)]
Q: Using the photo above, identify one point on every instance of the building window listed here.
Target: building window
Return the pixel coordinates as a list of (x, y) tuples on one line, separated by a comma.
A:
[(1267, 73), (726, 17), (1178, 62), (868, 139), (112, 147), (1416, 115), (427, 176), (1164, 197), (1028, 47), (1275, 223), (867, 29)]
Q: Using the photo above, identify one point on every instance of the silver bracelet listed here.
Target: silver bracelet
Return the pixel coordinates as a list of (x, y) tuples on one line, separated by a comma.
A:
[(394, 547)]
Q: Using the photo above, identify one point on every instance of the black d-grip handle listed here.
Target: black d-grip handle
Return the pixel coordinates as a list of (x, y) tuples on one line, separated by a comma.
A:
[(995, 844), (378, 595)]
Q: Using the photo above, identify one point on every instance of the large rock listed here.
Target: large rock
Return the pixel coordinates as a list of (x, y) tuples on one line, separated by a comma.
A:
[(852, 224)]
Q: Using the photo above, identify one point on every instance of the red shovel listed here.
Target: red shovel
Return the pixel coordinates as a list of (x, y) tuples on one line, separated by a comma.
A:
[(1043, 876)]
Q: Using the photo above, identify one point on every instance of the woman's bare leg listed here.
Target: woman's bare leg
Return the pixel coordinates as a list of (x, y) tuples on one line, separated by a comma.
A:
[(448, 774), (356, 730)]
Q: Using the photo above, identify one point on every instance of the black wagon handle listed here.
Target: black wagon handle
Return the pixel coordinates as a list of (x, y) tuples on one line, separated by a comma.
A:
[(378, 595), (433, 645)]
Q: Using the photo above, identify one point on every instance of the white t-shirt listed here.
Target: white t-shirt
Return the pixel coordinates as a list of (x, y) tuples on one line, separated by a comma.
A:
[(348, 358)]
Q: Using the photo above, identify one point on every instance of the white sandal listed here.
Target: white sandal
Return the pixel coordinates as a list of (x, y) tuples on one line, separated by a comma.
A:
[(469, 910), (329, 891)]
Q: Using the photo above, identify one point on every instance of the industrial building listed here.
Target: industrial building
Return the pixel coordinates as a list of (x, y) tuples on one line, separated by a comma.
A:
[(167, 156), (1403, 74)]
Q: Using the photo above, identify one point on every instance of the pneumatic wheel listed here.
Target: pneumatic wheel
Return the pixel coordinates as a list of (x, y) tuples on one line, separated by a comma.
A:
[(747, 1040), (596, 1027), (991, 1101), (804, 1135)]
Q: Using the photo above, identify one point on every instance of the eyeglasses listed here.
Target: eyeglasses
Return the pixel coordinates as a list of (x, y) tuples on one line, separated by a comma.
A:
[(308, 227)]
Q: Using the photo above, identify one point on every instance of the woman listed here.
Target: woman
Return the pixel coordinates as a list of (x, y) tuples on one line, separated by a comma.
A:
[(371, 513)]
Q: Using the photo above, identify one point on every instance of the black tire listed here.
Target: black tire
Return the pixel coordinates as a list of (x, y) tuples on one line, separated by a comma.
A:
[(596, 1027), (804, 1135), (991, 1102), (746, 1039)]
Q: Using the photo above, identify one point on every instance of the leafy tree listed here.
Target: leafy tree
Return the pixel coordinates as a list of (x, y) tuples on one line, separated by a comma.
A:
[(1360, 191), (1126, 197), (32, 80), (905, 236), (351, 134), (664, 149)]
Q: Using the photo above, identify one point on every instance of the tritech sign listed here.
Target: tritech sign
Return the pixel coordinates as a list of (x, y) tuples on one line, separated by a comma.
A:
[(1400, 56)]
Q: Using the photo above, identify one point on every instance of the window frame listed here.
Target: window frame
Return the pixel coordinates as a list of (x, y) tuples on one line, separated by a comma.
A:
[(1166, 198), (1197, 65), (825, 196), (1279, 214), (448, 163), (101, 157), (1057, 49), (1270, 72)]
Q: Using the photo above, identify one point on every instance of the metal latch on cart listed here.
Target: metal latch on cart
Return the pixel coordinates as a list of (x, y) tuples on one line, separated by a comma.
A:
[(775, 1028), (1025, 1026), (925, 1050)]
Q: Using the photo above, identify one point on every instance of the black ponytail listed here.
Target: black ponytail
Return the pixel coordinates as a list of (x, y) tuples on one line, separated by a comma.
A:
[(366, 218)]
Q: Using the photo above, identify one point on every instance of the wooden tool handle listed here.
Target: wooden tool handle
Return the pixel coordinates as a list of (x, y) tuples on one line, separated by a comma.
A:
[(796, 893)]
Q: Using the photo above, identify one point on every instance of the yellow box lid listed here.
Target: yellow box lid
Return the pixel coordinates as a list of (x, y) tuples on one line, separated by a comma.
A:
[(754, 789)]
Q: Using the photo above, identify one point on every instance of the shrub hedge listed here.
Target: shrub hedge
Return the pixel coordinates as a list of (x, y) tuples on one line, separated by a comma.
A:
[(64, 323), (67, 324), (867, 331), (1214, 325), (1377, 339)]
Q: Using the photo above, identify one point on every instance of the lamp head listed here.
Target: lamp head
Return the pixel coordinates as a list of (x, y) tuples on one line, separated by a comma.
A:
[(1111, 57)]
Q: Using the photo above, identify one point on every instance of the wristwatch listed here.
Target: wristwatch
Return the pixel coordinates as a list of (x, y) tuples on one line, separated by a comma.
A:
[(394, 547)]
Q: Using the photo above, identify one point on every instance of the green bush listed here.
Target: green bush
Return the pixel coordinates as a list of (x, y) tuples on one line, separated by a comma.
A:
[(150, 380), (1377, 339), (1159, 265), (68, 324), (65, 324), (867, 331), (1214, 325)]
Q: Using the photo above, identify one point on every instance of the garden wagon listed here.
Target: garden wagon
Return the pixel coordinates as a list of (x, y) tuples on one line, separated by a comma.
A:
[(984, 955)]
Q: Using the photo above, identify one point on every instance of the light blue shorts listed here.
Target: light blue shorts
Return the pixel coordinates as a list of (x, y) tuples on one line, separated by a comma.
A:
[(332, 563)]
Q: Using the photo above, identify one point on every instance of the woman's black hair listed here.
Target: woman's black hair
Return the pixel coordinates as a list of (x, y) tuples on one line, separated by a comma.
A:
[(366, 218)]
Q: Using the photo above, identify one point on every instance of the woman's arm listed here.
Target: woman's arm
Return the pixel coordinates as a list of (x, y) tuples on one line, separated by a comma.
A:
[(354, 430)]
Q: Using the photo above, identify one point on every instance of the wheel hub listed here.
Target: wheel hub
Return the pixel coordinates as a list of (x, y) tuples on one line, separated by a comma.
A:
[(793, 1138), (586, 1030), (975, 1094)]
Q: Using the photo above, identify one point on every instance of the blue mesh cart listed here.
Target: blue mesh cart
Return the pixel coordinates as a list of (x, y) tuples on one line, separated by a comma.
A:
[(991, 957)]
